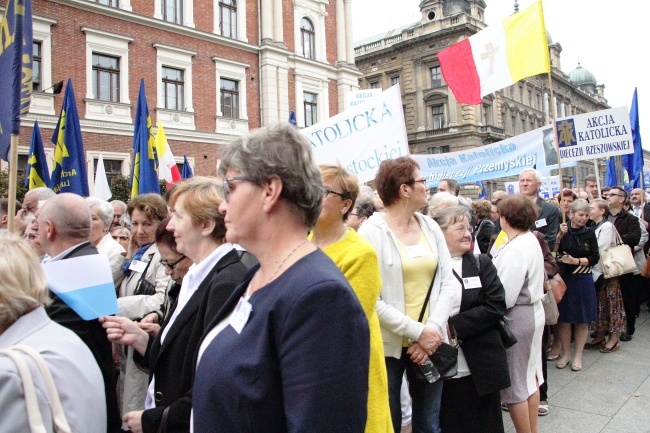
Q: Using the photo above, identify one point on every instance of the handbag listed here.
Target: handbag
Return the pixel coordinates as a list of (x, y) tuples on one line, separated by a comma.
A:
[(551, 313), (645, 272), (618, 260), (15, 353), (144, 286), (557, 285), (507, 337), (445, 358)]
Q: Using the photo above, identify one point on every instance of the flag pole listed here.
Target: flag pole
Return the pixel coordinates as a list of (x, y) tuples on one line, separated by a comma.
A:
[(13, 181), (557, 144), (597, 175)]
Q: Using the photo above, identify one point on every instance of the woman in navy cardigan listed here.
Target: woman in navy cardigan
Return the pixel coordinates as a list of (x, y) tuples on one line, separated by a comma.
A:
[(289, 351), (471, 400)]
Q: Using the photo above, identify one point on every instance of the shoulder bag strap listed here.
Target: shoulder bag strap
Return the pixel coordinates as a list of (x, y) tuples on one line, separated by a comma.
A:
[(426, 300)]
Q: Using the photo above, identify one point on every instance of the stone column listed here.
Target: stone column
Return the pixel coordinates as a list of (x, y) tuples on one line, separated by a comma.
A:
[(267, 20), (341, 49), (278, 26), (349, 42)]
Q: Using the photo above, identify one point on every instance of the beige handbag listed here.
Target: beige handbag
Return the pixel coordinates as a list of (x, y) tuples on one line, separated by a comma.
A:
[(618, 260), (15, 353), (551, 313)]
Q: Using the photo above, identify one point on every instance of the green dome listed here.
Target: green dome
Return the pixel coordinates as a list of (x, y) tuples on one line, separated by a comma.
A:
[(580, 77)]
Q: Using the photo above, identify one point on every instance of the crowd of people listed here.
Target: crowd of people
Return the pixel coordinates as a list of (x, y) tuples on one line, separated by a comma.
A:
[(284, 296)]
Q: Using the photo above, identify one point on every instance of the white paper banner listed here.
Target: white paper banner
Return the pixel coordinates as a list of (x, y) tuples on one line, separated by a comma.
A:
[(362, 137)]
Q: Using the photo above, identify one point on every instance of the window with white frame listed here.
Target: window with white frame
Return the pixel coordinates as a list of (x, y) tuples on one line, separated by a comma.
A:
[(232, 116), (37, 60), (174, 87), (310, 103), (228, 18), (437, 116), (436, 76), (229, 90), (308, 38), (175, 11), (42, 102), (115, 164), (112, 3), (107, 78)]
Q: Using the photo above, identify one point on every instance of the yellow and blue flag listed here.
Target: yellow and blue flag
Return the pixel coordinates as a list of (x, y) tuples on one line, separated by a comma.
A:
[(187, 169), (36, 174), (144, 176), (482, 193), (15, 69), (69, 173)]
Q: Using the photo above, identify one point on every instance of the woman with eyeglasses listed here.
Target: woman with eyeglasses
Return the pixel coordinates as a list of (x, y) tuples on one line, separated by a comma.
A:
[(414, 260), (471, 399), (289, 350), (199, 235), (357, 259), (141, 291)]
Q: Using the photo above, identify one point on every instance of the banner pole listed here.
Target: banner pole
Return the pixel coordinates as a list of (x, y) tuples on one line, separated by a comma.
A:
[(557, 144), (597, 176), (13, 181)]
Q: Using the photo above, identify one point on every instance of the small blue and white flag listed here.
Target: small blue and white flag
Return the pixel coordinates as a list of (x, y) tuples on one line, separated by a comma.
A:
[(89, 292)]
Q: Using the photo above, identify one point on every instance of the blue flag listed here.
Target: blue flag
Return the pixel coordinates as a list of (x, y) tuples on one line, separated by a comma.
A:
[(36, 173), (610, 175), (15, 69), (292, 118), (187, 170), (633, 162), (69, 173), (482, 193), (144, 176)]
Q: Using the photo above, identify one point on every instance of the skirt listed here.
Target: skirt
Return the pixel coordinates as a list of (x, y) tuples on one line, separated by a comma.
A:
[(578, 305), (611, 313)]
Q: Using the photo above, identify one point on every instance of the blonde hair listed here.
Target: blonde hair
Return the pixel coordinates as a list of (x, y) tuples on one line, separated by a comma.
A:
[(346, 180), (22, 287)]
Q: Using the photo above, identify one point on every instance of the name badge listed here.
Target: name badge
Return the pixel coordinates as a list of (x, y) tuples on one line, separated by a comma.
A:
[(472, 282), (240, 315), (137, 266), (540, 223), (416, 251)]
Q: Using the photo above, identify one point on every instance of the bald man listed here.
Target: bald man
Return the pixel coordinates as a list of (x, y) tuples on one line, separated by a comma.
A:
[(119, 209), (30, 206), (63, 225)]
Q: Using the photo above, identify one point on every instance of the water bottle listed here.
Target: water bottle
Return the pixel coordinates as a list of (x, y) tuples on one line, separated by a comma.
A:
[(429, 371)]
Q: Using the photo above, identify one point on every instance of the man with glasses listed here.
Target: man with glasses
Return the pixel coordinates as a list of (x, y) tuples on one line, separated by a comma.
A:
[(629, 229), (30, 206)]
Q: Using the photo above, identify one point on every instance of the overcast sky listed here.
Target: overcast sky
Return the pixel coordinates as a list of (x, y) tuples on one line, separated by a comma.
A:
[(607, 37)]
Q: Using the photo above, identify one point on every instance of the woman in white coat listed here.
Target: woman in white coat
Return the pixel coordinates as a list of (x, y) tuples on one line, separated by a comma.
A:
[(412, 252)]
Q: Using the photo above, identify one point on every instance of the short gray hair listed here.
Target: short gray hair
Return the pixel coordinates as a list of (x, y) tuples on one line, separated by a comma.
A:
[(449, 215), (104, 209), (538, 175), (365, 194), (42, 193), (580, 205), (282, 151)]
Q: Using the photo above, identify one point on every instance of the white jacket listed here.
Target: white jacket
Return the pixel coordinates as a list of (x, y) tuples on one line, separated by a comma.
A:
[(395, 324)]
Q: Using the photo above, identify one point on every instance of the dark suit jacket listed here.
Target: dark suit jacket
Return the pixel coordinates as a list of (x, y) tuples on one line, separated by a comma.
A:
[(93, 334), (475, 324), (552, 216), (646, 218), (173, 361), (628, 227)]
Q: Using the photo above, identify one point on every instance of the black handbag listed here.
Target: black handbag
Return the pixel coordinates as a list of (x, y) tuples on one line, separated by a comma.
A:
[(507, 337), (145, 287), (445, 358)]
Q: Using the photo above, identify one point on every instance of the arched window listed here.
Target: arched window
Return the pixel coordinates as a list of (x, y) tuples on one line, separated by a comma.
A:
[(308, 38), (228, 18)]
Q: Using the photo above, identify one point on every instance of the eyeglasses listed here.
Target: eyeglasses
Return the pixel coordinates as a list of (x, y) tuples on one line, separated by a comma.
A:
[(227, 187), (327, 192), (422, 181), (355, 214), (171, 266), (462, 229), (618, 195)]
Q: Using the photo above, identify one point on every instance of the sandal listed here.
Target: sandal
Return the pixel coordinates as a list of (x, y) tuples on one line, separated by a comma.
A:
[(576, 367), (562, 364), (595, 343), (551, 357), (614, 348), (543, 408)]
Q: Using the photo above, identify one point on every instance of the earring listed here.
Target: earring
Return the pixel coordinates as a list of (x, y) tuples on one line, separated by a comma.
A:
[(343, 211)]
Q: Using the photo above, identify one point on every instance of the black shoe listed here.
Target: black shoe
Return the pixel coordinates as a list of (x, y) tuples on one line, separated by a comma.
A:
[(626, 337)]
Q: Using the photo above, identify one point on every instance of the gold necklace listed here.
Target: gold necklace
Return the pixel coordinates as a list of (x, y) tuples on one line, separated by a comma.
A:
[(284, 260)]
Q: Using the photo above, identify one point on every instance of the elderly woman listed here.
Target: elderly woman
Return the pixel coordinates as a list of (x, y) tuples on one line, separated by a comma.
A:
[(142, 290), (357, 259), (611, 314), (520, 266), (101, 213), (122, 235), (470, 400), (485, 228), (199, 232), (289, 351), (578, 252), (23, 321), (441, 199), (413, 257)]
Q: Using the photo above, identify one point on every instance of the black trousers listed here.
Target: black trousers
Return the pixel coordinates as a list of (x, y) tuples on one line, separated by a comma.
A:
[(463, 411), (631, 289)]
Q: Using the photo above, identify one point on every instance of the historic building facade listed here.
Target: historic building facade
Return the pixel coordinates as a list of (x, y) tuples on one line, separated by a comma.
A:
[(213, 70), (435, 121)]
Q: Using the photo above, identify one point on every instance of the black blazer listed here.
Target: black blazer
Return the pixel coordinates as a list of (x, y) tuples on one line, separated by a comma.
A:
[(552, 216), (475, 324), (173, 361), (93, 334)]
